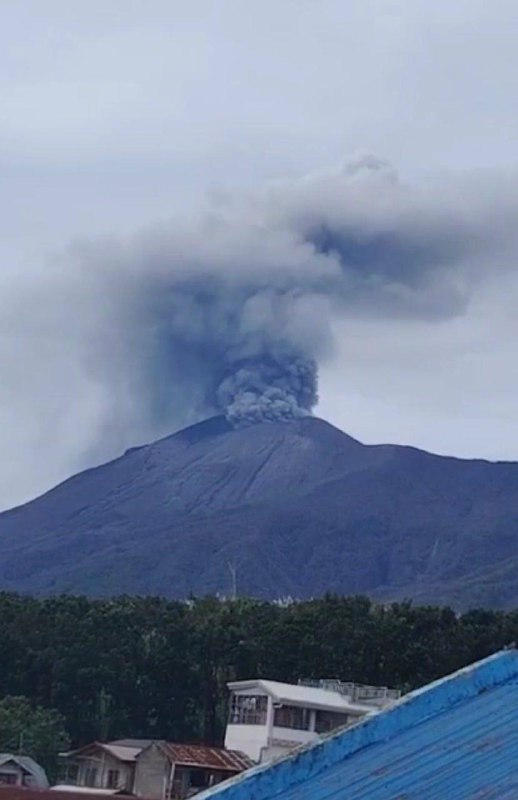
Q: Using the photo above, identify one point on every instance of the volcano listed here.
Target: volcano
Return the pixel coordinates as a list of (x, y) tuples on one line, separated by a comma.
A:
[(289, 508)]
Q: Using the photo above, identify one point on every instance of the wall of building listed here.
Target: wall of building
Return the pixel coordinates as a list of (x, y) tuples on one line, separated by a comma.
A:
[(265, 742), (102, 763), (253, 740), (277, 750), (152, 773), (13, 775), (190, 780), (249, 739), (292, 735)]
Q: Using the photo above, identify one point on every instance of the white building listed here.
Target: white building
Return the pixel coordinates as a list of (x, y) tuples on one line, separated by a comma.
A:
[(268, 719)]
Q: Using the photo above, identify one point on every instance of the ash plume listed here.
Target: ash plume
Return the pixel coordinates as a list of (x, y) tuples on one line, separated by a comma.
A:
[(269, 389), (233, 313)]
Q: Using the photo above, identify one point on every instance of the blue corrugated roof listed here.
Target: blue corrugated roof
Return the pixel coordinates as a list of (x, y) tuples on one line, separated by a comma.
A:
[(456, 739)]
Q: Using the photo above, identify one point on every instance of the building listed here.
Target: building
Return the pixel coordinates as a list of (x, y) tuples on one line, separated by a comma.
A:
[(455, 738), (101, 765), (156, 770), (177, 771), (268, 719), (23, 771)]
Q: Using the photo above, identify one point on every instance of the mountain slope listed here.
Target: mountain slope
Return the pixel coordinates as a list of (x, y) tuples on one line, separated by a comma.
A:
[(298, 508)]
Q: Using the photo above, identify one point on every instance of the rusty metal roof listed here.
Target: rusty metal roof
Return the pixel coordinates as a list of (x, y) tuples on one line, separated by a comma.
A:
[(194, 755), (197, 755)]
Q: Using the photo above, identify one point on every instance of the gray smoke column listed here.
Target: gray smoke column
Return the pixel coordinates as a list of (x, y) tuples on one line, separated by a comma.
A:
[(238, 344), (227, 316), (233, 312), (269, 388)]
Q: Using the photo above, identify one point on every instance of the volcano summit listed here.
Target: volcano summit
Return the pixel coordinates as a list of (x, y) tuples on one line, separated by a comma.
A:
[(298, 508)]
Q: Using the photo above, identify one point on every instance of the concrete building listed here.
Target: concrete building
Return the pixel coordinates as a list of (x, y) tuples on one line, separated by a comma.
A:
[(455, 739), (23, 771), (268, 719)]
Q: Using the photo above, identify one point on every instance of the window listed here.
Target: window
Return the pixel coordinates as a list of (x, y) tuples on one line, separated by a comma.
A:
[(8, 778), (247, 709), (198, 778), (113, 779), (71, 774), (90, 776), (292, 717), (329, 720)]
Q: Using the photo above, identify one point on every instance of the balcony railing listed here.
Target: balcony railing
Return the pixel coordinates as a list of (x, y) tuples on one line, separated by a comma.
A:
[(377, 696)]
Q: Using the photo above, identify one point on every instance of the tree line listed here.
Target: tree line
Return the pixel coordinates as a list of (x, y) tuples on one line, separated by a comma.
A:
[(145, 667)]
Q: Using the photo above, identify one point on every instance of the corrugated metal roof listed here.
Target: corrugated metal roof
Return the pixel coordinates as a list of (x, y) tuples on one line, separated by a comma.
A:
[(138, 743), (456, 738), (307, 696), (121, 752), (117, 750), (207, 757)]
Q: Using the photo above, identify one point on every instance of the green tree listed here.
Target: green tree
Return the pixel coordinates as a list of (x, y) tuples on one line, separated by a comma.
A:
[(148, 667), (33, 731)]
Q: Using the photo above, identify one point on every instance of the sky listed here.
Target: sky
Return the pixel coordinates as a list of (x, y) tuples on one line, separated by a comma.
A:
[(124, 119)]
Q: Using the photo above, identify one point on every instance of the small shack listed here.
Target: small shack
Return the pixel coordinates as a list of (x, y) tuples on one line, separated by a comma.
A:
[(177, 771)]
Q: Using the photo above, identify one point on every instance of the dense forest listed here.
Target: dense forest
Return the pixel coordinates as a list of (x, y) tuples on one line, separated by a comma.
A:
[(148, 667)]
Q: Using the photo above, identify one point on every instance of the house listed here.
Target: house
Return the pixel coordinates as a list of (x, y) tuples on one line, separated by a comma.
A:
[(18, 770), (268, 719), (102, 765), (177, 771), (455, 738), (155, 770)]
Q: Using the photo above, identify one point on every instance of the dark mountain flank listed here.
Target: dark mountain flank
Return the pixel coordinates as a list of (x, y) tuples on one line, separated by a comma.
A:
[(295, 508)]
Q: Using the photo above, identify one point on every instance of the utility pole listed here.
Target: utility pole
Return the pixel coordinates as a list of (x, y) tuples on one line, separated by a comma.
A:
[(232, 568)]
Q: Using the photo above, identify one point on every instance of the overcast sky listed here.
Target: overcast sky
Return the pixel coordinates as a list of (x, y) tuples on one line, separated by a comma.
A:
[(121, 114)]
